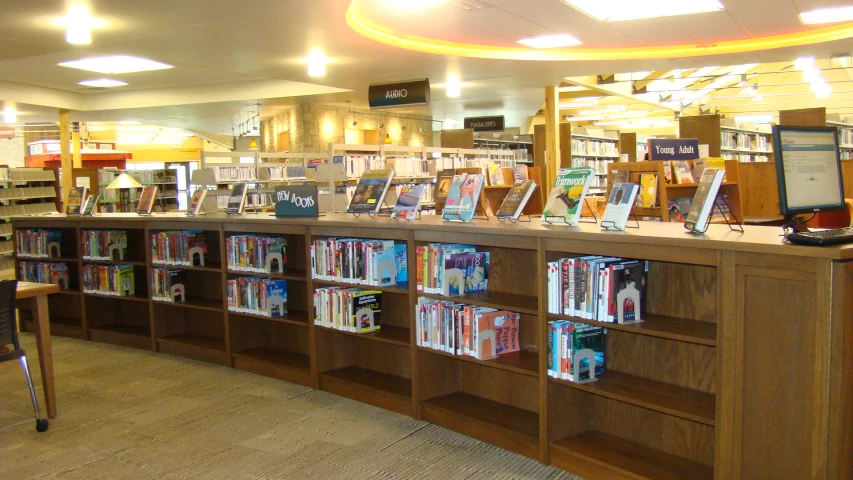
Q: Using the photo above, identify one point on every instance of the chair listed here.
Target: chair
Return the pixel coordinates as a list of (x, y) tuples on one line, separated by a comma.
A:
[(9, 336)]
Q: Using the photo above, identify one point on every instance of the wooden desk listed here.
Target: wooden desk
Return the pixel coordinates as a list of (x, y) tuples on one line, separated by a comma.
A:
[(37, 293)]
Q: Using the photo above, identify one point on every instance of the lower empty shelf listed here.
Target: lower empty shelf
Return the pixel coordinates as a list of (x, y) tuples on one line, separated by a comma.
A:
[(506, 426), (369, 386), (124, 335), (595, 454), (272, 362), (197, 347)]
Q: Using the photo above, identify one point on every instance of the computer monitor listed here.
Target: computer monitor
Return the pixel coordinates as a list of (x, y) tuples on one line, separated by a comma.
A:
[(808, 170)]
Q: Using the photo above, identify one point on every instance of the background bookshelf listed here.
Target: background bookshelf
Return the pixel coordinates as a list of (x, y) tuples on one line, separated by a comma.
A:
[(23, 191), (726, 139)]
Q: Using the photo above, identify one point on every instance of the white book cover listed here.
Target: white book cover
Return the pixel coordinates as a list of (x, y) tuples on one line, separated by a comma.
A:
[(619, 205)]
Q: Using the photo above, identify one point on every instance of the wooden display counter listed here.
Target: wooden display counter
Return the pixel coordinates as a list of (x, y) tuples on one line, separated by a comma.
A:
[(742, 369)]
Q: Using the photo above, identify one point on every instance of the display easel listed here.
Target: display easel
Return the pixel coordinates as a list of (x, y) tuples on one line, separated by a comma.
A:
[(372, 215), (592, 210), (723, 214), (610, 225)]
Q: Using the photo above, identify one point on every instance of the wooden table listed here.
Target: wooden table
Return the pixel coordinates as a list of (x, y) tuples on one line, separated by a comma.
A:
[(37, 293)]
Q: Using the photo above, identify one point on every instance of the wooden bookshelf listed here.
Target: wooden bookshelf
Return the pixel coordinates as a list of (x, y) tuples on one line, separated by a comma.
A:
[(707, 386)]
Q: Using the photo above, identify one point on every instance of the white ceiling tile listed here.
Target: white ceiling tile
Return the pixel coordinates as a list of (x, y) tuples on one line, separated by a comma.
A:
[(709, 28), (765, 17), (652, 31)]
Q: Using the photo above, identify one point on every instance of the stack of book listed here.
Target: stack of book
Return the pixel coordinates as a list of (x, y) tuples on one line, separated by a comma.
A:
[(162, 280), (47, 272), (258, 296), (462, 329), (252, 253), (604, 289), (451, 269), (186, 248), (348, 309), (358, 260), (409, 166), (34, 243), (233, 174), (566, 340), (98, 244), (115, 280)]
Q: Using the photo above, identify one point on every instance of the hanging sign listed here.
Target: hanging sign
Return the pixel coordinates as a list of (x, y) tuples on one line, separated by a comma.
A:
[(401, 94), (296, 201), (485, 124), (673, 149)]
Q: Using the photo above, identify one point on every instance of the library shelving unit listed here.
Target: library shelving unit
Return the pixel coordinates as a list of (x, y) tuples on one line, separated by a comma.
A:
[(707, 386), (597, 151), (726, 139), (731, 188), (23, 191)]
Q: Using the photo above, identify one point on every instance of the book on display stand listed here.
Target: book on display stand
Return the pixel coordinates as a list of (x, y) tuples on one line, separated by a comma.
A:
[(197, 203), (620, 207), (369, 196), (704, 202), (464, 198), (515, 201), (76, 199), (408, 203), (146, 200), (237, 199), (567, 198)]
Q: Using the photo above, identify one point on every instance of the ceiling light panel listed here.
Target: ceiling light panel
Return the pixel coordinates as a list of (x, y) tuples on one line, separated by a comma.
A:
[(621, 10), (827, 15), (116, 64), (103, 83), (550, 41)]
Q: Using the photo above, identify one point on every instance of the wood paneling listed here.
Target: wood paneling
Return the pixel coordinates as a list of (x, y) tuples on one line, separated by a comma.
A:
[(705, 128), (463, 138), (814, 117), (760, 190)]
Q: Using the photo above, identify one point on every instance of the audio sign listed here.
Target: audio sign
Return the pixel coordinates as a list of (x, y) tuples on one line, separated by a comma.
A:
[(401, 94), (485, 124)]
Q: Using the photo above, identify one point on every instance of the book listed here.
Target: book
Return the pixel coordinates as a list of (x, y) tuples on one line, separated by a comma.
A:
[(647, 196), (681, 172), (465, 273), (619, 205), (409, 202), (496, 175), (401, 260), (196, 202), (146, 199), (488, 326), (516, 199), (76, 198), (667, 172), (703, 201), (620, 176), (585, 341), (675, 213), (442, 185), (90, 205), (237, 199), (720, 212), (371, 190), (519, 172), (567, 197), (626, 291), (464, 197), (367, 310)]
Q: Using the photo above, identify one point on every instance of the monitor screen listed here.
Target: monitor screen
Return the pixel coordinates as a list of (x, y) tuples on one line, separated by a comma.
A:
[(808, 169)]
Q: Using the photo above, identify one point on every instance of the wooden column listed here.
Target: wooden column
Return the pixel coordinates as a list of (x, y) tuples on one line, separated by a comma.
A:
[(76, 157), (65, 154), (552, 140)]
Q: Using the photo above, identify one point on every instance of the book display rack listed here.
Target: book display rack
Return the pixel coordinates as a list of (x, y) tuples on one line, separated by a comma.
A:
[(706, 386)]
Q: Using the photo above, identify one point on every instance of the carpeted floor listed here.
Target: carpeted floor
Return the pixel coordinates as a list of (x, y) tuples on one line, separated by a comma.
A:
[(129, 414)]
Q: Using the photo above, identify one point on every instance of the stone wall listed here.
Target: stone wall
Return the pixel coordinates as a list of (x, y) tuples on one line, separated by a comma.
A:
[(312, 127)]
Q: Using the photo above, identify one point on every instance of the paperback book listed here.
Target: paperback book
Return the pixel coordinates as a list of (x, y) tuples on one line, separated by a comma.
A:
[(146, 200), (703, 201), (409, 202), (90, 205), (570, 343), (465, 273), (519, 172), (464, 197), (370, 191), (237, 199), (196, 202), (496, 176), (647, 197), (442, 185), (516, 199), (619, 205), (76, 198), (567, 197), (681, 170)]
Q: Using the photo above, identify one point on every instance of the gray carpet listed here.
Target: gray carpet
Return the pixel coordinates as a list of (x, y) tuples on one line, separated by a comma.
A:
[(129, 414)]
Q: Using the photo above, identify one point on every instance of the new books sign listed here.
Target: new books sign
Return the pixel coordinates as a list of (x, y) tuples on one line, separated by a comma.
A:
[(296, 201), (402, 94), (485, 124), (673, 149)]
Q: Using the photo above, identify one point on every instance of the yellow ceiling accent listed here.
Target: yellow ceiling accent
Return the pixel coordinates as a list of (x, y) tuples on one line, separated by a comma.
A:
[(373, 31)]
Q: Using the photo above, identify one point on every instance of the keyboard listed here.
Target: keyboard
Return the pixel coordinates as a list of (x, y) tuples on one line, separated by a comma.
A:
[(833, 236)]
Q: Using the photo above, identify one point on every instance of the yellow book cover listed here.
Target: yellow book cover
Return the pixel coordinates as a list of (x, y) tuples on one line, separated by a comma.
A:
[(647, 197)]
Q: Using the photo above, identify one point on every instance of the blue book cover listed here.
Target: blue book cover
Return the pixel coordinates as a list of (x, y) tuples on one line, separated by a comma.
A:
[(466, 273), (452, 209), (277, 298), (402, 260), (384, 265), (469, 193)]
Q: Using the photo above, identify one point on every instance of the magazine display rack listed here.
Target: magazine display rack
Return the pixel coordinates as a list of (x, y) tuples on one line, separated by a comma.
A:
[(682, 395)]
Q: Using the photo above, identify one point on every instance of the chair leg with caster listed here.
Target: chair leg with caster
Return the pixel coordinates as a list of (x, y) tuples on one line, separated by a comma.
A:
[(42, 424)]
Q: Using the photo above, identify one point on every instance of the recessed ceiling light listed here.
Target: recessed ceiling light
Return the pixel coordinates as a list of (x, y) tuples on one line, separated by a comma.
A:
[(317, 61), (804, 63), (550, 41), (827, 15), (619, 10), (78, 24), (116, 64), (103, 83)]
